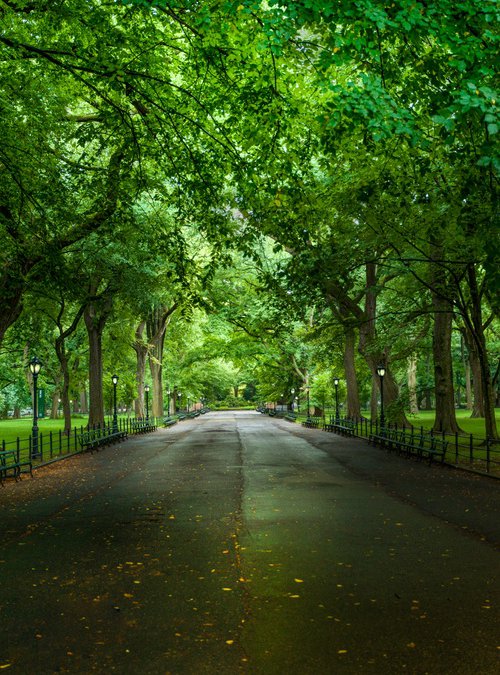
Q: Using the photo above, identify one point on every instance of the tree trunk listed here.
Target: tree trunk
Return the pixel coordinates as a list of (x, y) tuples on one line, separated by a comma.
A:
[(477, 331), (141, 350), (156, 324), (477, 385), (467, 373), (96, 314), (412, 384), (443, 369), (374, 399), (54, 408), (96, 410), (373, 355), (353, 405), (428, 387), (83, 401)]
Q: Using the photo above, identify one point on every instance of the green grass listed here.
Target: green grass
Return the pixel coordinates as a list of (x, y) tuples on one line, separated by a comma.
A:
[(11, 429)]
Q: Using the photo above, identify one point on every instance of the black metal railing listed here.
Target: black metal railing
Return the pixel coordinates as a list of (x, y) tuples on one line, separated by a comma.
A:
[(464, 450)]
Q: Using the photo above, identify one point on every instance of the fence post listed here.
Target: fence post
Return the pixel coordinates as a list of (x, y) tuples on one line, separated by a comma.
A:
[(488, 455), (471, 450), (456, 447), (50, 444)]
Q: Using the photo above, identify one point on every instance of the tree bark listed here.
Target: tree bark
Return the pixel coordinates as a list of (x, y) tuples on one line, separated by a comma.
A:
[(467, 372), (353, 405), (374, 356), (412, 384), (96, 314), (477, 385), (443, 368), (156, 325), (477, 331), (60, 347), (141, 351)]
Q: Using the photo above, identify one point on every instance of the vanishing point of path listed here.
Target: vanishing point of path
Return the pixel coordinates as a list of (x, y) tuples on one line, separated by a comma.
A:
[(235, 543)]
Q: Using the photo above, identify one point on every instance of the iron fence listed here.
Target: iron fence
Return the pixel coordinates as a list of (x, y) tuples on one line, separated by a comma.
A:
[(464, 450), (54, 445)]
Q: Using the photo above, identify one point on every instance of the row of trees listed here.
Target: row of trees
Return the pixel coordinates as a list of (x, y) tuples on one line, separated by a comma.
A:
[(341, 157)]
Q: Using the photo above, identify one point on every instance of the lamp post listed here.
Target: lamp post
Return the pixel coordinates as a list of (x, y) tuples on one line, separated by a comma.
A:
[(188, 402), (168, 402), (146, 389), (35, 365), (336, 383), (114, 380), (292, 392), (179, 397), (381, 373), (308, 406)]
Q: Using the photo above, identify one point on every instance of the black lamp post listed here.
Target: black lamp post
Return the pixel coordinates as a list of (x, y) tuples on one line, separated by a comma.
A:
[(114, 380), (146, 389), (308, 406), (35, 365), (188, 403), (292, 392), (381, 374), (336, 383), (179, 398), (168, 401)]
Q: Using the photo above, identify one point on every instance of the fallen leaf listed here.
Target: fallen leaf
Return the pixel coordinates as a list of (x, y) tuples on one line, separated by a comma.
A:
[(299, 581)]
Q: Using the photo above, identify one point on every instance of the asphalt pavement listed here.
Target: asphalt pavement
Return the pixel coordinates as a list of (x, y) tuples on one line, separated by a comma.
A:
[(235, 543)]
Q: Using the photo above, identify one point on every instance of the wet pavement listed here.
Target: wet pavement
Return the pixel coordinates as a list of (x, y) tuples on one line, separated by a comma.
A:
[(236, 543)]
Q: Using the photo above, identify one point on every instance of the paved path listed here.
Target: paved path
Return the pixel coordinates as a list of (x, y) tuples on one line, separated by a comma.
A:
[(235, 543)]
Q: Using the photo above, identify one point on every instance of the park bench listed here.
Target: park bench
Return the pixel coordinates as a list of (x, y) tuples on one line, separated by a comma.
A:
[(312, 422), (420, 445), (142, 426), (343, 427), (169, 421), (290, 416), (181, 416), (11, 465), (93, 439), (423, 446), (382, 436)]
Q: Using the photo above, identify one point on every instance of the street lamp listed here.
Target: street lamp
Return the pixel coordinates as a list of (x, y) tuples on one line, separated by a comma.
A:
[(292, 392), (179, 397), (146, 389), (308, 406), (381, 374), (114, 380), (35, 365), (336, 383), (168, 401)]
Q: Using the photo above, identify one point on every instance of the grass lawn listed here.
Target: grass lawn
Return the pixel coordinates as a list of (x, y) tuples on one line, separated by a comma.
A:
[(11, 429), (469, 425)]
